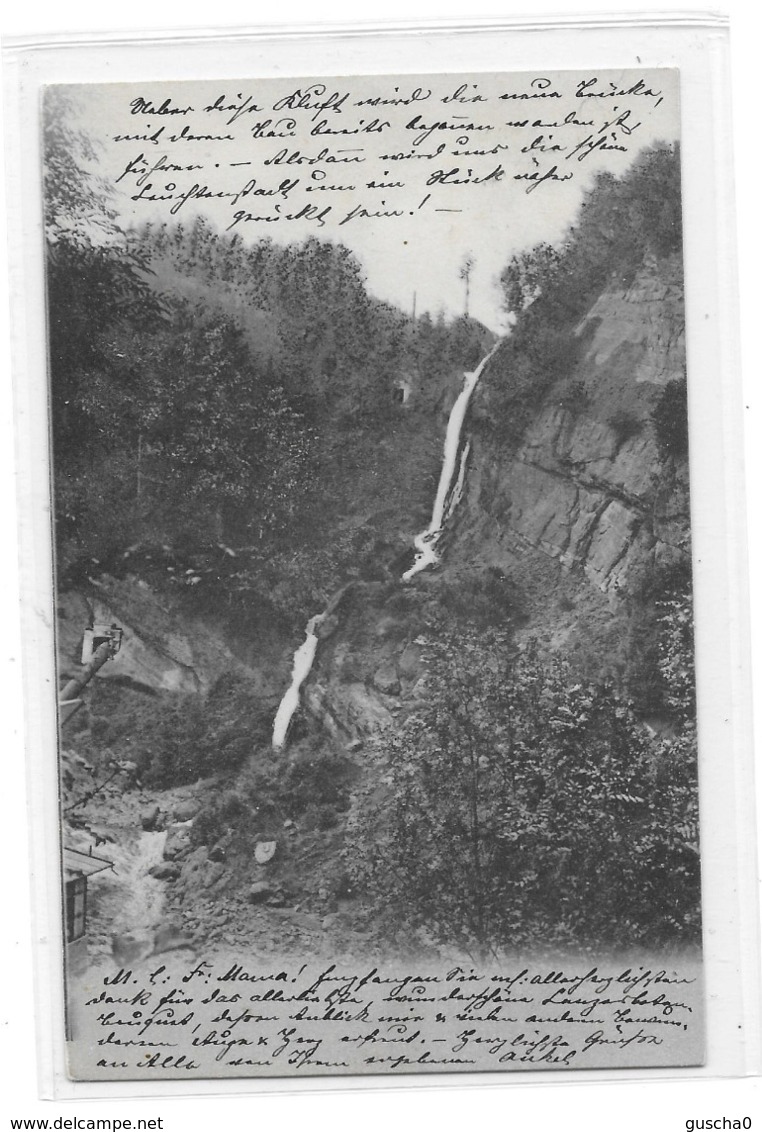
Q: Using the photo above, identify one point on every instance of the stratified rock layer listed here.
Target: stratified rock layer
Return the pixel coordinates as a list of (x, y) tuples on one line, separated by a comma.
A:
[(588, 486)]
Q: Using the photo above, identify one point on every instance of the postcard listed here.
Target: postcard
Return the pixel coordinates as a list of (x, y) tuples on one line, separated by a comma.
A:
[(368, 404)]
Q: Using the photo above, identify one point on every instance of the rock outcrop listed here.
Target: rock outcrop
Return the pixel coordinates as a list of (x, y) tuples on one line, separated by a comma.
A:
[(587, 485), (164, 648)]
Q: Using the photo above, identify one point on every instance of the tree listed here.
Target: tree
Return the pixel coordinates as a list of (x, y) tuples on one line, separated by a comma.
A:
[(528, 276), (466, 268), (161, 419), (522, 807), (95, 278), (75, 200)]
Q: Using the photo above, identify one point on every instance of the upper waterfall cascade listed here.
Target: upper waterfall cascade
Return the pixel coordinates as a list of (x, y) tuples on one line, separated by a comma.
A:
[(448, 492)]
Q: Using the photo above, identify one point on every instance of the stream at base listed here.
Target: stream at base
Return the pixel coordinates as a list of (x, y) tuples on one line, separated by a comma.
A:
[(128, 899)]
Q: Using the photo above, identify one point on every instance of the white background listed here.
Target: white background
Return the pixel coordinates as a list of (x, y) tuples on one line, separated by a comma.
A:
[(568, 1105)]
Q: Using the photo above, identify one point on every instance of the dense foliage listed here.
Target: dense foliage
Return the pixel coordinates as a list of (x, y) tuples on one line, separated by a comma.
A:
[(212, 394), (546, 290), (671, 420), (309, 784), (174, 738), (522, 808), (307, 314)]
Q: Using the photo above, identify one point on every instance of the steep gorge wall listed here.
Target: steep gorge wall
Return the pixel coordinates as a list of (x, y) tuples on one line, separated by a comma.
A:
[(587, 485)]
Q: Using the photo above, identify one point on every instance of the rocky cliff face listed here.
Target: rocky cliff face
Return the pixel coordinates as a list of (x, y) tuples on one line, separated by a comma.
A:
[(588, 486), (575, 493), (165, 648)]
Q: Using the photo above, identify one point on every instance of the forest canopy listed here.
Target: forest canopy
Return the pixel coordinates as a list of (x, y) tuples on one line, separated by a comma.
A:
[(202, 388)]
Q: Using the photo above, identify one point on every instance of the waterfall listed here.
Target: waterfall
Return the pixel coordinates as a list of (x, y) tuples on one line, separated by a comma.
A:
[(448, 494), (448, 497), (303, 658)]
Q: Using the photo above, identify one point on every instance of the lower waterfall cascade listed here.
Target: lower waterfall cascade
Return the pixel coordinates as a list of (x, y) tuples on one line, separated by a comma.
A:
[(303, 660)]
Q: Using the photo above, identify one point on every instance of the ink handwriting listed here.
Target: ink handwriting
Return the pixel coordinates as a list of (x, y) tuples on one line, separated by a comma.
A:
[(558, 127), (211, 1017)]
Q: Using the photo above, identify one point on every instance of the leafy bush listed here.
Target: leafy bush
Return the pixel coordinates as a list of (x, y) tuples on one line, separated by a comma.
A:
[(175, 739), (219, 817), (676, 655), (314, 778), (670, 419), (521, 807), (653, 649), (625, 425), (487, 599)]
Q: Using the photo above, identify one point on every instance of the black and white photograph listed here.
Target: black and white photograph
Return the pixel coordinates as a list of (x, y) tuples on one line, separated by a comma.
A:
[(374, 621)]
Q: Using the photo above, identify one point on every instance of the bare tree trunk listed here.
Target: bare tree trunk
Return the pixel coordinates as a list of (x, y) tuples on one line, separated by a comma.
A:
[(71, 690)]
